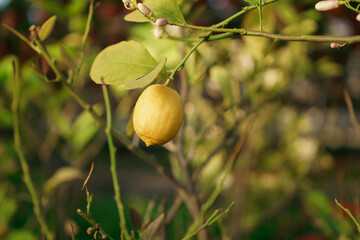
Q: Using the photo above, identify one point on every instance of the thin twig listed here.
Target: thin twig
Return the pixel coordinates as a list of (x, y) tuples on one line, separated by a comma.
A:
[(22, 37), (205, 38), (275, 36), (231, 161), (19, 150), (173, 210), (351, 112), (88, 177), (83, 43), (45, 54), (90, 220), (243, 11), (228, 167), (213, 218), (183, 61), (72, 231), (162, 228), (228, 139), (191, 198), (348, 213), (112, 151), (229, 33)]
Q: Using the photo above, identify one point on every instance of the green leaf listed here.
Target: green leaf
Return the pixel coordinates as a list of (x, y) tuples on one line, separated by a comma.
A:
[(135, 218), (67, 59), (251, 1), (8, 207), (213, 218), (76, 7), (47, 28), (84, 129), (151, 228), (221, 76), (20, 234), (148, 78), (168, 9), (130, 126), (121, 63)]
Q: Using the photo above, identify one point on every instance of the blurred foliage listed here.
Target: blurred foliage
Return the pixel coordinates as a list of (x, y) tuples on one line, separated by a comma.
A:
[(302, 152)]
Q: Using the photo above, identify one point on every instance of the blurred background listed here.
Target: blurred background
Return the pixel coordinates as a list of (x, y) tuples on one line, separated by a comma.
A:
[(302, 153)]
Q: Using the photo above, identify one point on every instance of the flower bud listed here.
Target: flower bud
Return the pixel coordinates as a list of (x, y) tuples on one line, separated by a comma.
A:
[(334, 45), (326, 5), (358, 17), (161, 22), (128, 4), (144, 9), (90, 230), (158, 31)]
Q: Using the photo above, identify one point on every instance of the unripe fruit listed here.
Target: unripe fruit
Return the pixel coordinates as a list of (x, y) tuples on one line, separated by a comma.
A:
[(158, 115)]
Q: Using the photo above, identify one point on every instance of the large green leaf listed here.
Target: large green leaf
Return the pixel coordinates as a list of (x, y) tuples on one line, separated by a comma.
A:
[(168, 9), (148, 78), (121, 63)]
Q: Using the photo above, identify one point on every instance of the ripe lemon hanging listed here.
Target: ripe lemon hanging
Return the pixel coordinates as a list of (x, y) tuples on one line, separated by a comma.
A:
[(158, 115)]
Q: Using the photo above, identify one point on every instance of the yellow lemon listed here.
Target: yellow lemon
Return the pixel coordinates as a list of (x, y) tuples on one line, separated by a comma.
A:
[(158, 115)]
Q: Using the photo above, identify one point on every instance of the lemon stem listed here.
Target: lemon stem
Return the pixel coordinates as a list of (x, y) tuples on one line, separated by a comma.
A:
[(182, 63)]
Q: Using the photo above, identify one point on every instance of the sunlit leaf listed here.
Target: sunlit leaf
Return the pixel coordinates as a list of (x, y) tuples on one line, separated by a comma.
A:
[(148, 78), (20, 234), (153, 226), (84, 129), (220, 75), (121, 63), (67, 59), (319, 207), (47, 28), (76, 7), (8, 208), (168, 9)]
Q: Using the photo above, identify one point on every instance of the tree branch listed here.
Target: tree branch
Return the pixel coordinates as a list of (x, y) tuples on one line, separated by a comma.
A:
[(19, 150), (274, 36), (90, 220)]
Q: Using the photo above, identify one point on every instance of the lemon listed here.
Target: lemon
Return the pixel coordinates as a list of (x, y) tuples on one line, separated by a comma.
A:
[(158, 115)]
